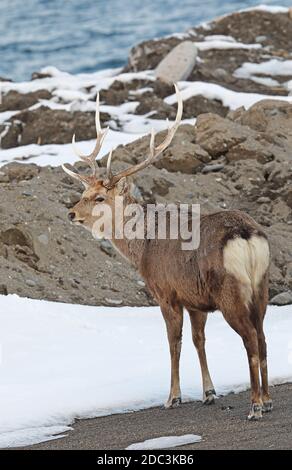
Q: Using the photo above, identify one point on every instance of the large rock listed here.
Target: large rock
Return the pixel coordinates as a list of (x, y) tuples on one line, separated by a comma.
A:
[(46, 126), (198, 104), (284, 298), (148, 54), (218, 135), (13, 100), (178, 64), (217, 65), (264, 133), (183, 155), (271, 117), (158, 108), (19, 172)]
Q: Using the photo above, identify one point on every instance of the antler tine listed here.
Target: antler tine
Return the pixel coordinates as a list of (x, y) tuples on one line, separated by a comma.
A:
[(73, 174), (152, 143), (154, 151), (108, 165), (91, 158), (97, 119)]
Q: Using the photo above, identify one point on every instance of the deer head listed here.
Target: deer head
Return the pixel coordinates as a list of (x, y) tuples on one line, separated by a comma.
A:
[(104, 190)]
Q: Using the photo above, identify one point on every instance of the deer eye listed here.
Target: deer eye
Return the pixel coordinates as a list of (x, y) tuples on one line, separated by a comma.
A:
[(99, 199)]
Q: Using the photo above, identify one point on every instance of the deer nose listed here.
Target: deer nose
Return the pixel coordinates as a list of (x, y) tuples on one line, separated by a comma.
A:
[(71, 215)]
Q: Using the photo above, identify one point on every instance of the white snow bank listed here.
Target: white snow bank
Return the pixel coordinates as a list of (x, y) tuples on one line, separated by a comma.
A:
[(220, 43), (61, 361), (270, 67), (165, 442), (56, 154), (229, 98), (66, 82), (133, 127)]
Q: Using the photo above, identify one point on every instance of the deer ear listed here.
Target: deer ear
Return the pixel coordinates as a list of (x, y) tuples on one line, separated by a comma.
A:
[(122, 186)]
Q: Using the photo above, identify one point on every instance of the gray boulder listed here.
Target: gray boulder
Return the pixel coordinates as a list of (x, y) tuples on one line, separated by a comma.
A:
[(284, 298), (178, 64)]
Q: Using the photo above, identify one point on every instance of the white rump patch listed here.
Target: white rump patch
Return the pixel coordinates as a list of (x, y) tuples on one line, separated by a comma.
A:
[(247, 261)]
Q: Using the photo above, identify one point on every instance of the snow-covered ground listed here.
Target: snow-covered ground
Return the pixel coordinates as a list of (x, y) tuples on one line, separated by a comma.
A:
[(69, 93), (229, 98), (77, 92), (131, 126), (60, 362), (56, 154)]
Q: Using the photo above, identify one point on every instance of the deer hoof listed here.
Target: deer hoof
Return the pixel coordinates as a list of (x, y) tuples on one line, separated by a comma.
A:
[(255, 412), (268, 406), (173, 403), (209, 397)]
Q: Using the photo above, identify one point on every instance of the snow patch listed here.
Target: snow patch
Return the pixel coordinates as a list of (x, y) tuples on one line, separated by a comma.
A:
[(211, 43), (271, 67), (61, 362), (229, 98), (66, 82), (28, 436), (56, 154), (165, 442)]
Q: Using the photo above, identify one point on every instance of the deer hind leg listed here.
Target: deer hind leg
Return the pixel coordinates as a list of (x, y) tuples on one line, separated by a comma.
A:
[(198, 321), (260, 305), (240, 321), (267, 401), (173, 316)]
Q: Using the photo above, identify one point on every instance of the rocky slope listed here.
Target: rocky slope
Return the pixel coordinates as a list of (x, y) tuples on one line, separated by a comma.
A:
[(231, 158)]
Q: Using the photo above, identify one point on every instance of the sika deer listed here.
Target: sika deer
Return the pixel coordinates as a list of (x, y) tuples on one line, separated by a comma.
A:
[(228, 271)]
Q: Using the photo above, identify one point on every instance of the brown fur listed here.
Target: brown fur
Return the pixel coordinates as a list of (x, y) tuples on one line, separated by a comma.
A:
[(199, 281), (228, 271)]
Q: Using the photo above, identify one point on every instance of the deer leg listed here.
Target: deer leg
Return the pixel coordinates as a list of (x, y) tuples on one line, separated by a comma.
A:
[(260, 306), (173, 316), (267, 401), (198, 321), (241, 323)]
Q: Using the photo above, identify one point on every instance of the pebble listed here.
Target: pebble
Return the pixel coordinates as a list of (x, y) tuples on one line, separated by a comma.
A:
[(107, 247), (210, 168), (30, 282), (220, 74), (43, 238), (263, 200), (113, 301)]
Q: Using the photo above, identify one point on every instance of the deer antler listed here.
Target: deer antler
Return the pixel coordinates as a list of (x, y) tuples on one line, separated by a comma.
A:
[(154, 151), (111, 179), (91, 158)]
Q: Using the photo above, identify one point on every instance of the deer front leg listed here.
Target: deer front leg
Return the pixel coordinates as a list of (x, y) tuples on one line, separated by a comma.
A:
[(198, 321), (173, 316)]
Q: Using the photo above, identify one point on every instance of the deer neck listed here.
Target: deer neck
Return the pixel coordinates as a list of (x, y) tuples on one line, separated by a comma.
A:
[(131, 249)]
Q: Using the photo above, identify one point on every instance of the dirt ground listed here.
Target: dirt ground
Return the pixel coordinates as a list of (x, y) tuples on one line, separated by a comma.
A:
[(222, 426)]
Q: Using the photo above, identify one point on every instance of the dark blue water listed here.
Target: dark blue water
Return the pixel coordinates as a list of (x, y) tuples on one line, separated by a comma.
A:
[(88, 35)]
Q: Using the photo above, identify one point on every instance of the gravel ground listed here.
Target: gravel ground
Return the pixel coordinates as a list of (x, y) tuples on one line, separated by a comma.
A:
[(222, 426)]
